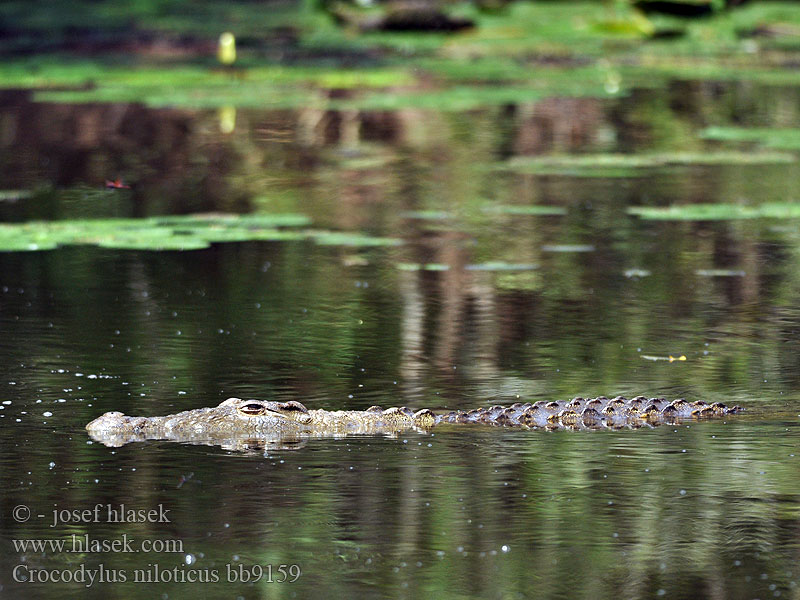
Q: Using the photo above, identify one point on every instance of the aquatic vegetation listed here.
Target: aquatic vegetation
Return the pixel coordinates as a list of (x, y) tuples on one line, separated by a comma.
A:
[(189, 85), (14, 195), (561, 79), (254, 220), (629, 165), (341, 238), (472, 83), (527, 280), (568, 248), (453, 98), (633, 24), (499, 265), (464, 85), (496, 265), (287, 87), (603, 165), (425, 267), (719, 273), (521, 27), (160, 239), (436, 71), (523, 210), (777, 139), (717, 212), (657, 70), (426, 215), (46, 72), (189, 232)]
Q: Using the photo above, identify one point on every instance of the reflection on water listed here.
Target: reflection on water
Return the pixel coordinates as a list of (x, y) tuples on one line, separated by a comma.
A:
[(480, 305)]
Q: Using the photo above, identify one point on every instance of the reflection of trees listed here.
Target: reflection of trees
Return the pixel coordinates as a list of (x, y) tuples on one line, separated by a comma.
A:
[(576, 322), (585, 319), (558, 125)]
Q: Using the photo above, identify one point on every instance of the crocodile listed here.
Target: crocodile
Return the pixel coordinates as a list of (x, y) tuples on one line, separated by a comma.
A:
[(236, 420)]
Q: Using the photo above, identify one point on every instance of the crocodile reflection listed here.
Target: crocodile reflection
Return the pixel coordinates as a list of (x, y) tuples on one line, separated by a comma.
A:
[(249, 424)]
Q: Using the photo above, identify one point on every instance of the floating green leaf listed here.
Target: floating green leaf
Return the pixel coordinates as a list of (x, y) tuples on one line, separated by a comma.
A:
[(231, 220), (342, 238), (717, 212), (522, 210), (426, 215), (182, 232), (191, 85), (519, 280), (185, 242), (719, 273), (12, 195), (627, 165), (426, 267), (499, 265), (778, 139), (568, 248)]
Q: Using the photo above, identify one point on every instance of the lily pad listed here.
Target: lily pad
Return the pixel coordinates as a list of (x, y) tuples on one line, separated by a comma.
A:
[(14, 195), (522, 210), (247, 220), (182, 232), (627, 165), (496, 266), (166, 243), (777, 139), (499, 265), (568, 248), (337, 238), (717, 212), (195, 86), (24, 245), (719, 273), (425, 267), (427, 215), (519, 280)]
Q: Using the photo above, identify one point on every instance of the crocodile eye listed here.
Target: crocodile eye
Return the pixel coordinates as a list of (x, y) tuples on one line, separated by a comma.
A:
[(252, 409)]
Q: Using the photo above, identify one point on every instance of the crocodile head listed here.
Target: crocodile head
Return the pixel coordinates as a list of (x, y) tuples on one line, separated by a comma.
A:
[(232, 418)]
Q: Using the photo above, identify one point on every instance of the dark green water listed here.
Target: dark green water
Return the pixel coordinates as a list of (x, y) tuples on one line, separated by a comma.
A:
[(705, 510)]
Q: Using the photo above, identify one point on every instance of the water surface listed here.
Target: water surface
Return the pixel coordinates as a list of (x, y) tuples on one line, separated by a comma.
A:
[(486, 300)]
